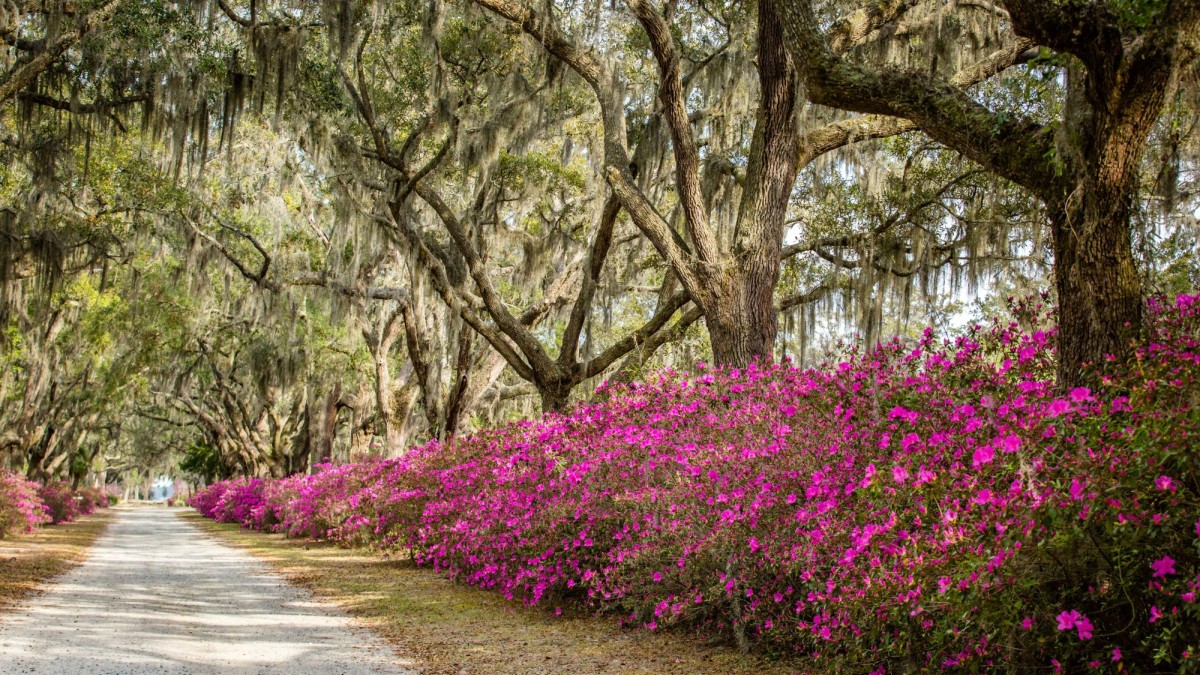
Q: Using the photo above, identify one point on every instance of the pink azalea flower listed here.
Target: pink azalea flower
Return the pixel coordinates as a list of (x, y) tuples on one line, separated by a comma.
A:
[(1076, 489), (1011, 443), (1057, 408), (1164, 483), (1155, 613), (1083, 626), (1163, 566), (983, 455), (1073, 619), (1116, 654)]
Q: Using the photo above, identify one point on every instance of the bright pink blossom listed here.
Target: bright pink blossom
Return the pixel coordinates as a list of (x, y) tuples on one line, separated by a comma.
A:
[(983, 454), (1163, 566)]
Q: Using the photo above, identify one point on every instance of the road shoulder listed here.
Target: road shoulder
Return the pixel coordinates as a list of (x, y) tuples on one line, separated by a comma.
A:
[(31, 561), (451, 628)]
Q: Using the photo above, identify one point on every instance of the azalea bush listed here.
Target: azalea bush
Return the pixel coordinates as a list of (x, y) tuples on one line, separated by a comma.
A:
[(205, 500), (933, 504), (316, 506), (21, 509), (61, 501), (91, 499), (234, 501)]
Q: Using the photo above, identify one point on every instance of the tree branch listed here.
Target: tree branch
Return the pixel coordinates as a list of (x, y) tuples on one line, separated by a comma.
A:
[(1085, 29), (525, 341), (853, 28), (648, 330), (24, 72), (80, 108), (616, 148), (587, 290), (1017, 148), (450, 295), (257, 278), (683, 142), (803, 298), (399, 295)]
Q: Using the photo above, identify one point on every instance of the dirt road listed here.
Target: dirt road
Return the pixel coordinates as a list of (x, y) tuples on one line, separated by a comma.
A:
[(157, 595)]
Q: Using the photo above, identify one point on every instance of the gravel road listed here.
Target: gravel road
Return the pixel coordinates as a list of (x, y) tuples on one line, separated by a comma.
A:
[(157, 595)]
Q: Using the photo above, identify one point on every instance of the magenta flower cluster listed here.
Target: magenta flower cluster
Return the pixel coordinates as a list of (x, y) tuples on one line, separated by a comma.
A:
[(65, 504), (25, 505), (937, 503), (21, 510)]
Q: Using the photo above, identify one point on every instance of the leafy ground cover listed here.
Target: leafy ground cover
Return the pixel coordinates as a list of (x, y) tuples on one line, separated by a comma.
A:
[(28, 562), (451, 628), (928, 504)]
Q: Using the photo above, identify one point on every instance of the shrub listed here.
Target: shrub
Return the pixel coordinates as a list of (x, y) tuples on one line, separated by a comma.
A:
[(60, 499), (206, 499), (235, 501), (90, 499), (21, 509), (933, 504)]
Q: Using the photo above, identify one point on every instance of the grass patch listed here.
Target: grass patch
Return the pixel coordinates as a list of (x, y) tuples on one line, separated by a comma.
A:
[(451, 628), (30, 560)]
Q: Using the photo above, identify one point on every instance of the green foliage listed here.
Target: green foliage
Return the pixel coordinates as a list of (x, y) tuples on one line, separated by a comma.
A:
[(1138, 14), (203, 462)]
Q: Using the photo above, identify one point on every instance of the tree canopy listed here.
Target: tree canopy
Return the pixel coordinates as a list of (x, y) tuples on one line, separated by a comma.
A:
[(255, 236)]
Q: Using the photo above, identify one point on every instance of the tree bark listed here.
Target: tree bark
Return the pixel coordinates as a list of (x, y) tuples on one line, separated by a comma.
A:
[(742, 325), (1107, 121), (554, 395), (743, 321), (1099, 292)]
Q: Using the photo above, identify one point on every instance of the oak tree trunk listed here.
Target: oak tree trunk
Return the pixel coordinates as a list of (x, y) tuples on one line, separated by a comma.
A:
[(555, 395), (1107, 120), (1099, 291), (741, 315), (1099, 297), (742, 323)]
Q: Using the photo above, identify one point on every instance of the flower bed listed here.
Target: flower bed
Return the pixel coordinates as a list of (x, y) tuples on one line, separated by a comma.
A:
[(937, 504), (21, 510), (25, 505)]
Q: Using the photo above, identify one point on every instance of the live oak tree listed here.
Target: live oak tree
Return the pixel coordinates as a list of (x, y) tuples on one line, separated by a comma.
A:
[(727, 259), (492, 197), (283, 233), (1122, 62)]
